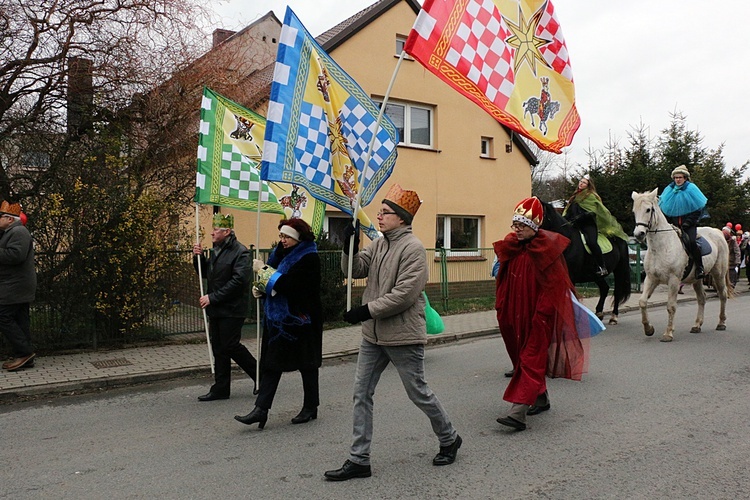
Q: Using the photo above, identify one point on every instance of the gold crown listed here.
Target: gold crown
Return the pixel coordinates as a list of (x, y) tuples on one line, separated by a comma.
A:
[(10, 208), (224, 221), (408, 200), (529, 211)]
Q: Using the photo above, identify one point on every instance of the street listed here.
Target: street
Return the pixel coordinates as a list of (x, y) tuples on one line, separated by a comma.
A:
[(649, 420)]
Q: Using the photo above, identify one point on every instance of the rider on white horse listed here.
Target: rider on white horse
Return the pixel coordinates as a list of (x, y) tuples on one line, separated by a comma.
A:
[(683, 203)]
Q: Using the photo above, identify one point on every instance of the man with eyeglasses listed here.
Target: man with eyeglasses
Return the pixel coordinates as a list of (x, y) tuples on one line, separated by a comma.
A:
[(683, 203), (535, 313), (228, 273), (393, 329), (17, 286)]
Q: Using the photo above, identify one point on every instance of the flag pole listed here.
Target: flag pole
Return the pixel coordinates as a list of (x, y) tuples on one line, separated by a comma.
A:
[(258, 329), (200, 280), (361, 178)]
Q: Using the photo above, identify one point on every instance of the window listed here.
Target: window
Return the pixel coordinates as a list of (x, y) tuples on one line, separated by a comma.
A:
[(35, 160), (400, 43), (487, 148), (459, 235), (413, 121), (335, 227)]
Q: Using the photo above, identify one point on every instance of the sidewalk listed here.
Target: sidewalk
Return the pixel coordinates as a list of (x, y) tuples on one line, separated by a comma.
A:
[(116, 368)]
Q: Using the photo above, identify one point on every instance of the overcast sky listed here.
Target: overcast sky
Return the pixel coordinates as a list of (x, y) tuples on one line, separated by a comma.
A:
[(633, 62)]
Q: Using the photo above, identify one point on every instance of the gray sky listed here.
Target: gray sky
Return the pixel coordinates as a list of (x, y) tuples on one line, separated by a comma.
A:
[(633, 63)]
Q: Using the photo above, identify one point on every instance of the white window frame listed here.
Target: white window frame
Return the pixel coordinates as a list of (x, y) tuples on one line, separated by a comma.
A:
[(486, 147), (400, 43), (450, 252), (408, 107)]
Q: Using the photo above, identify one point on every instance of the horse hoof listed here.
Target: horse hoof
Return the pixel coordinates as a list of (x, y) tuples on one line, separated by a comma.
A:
[(649, 331), (665, 339), (612, 320), (695, 329), (600, 315), (721, 328)]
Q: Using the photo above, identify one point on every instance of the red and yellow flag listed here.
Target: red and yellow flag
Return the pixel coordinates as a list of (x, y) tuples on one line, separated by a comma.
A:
[(508, 56)]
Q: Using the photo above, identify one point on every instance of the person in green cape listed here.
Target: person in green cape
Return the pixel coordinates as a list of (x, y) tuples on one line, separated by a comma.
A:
[(586, 211)]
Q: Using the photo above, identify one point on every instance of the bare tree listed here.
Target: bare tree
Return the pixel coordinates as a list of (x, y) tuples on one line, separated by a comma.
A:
[(128, 46), (549, 178)]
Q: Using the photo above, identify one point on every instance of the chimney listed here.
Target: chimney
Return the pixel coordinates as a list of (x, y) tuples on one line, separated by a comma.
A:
[(220, 35), (80, 95)]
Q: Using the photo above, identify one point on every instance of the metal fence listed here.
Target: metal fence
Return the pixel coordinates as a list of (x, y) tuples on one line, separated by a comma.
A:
[(57, 325)]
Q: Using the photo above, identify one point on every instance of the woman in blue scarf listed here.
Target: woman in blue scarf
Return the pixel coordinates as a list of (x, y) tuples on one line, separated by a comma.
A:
[(293, 320), (683, 203)]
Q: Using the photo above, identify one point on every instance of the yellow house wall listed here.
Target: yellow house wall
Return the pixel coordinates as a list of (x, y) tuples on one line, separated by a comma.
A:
[(451, 179)]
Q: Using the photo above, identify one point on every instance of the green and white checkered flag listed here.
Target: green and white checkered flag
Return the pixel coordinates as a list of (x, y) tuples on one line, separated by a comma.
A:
[(229, 149)]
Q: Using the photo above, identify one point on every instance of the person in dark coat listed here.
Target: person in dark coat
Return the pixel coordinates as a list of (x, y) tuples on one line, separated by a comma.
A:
[(17, 286), (293, 320), (228, 274)]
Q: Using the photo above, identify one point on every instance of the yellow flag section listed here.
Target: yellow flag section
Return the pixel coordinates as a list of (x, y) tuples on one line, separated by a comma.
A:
[(509, 57), (297, 203)]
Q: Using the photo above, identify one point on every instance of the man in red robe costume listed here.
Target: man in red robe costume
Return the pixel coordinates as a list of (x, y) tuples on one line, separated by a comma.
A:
[(535, 313)]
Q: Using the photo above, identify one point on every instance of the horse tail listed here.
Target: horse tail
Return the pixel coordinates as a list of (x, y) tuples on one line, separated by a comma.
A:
[(731, 293), (622, 272)]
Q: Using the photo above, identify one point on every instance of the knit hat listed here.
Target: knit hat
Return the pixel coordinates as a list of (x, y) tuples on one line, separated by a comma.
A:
[(224, 221), (404, 203), (529, 211), (10, 208), (682, 169)]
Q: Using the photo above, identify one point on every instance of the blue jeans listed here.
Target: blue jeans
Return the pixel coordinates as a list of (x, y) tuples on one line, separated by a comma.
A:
[(409, 361)]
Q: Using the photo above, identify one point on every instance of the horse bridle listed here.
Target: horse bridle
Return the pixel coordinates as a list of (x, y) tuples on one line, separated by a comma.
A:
[(651, 220)]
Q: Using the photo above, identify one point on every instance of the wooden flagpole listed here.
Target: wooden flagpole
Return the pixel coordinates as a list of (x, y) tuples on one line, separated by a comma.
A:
[(361, 178), (200, 280), (258, 330)]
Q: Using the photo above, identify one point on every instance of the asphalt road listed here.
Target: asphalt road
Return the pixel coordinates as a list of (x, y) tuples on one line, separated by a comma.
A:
[(650, 420)]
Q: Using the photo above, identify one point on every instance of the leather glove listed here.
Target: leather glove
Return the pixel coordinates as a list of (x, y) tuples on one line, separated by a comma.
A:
[(357, 314), (258, 265), (257, 293), (349, 231)]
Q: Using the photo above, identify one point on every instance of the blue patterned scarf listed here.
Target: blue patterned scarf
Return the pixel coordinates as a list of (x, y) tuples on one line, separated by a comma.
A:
[(278, 316)]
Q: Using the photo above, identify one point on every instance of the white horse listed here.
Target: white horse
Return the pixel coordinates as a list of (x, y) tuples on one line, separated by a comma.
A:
[(666, 259)]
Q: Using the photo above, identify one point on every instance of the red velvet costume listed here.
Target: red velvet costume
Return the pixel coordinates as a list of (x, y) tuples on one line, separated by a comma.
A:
[(535, 314)]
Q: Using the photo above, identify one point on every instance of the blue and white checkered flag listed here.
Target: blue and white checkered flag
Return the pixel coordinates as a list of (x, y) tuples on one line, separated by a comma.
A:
[(319, 125)]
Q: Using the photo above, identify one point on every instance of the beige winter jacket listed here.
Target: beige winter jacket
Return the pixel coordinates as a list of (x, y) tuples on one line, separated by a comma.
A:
[(396, 270)]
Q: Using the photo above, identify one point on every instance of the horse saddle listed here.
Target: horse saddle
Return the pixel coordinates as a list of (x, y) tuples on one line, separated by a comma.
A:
[(601, 240), (703, 245)]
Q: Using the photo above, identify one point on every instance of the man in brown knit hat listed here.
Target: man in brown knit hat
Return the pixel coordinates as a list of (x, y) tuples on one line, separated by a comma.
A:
[(17, 285), (393, 329)]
